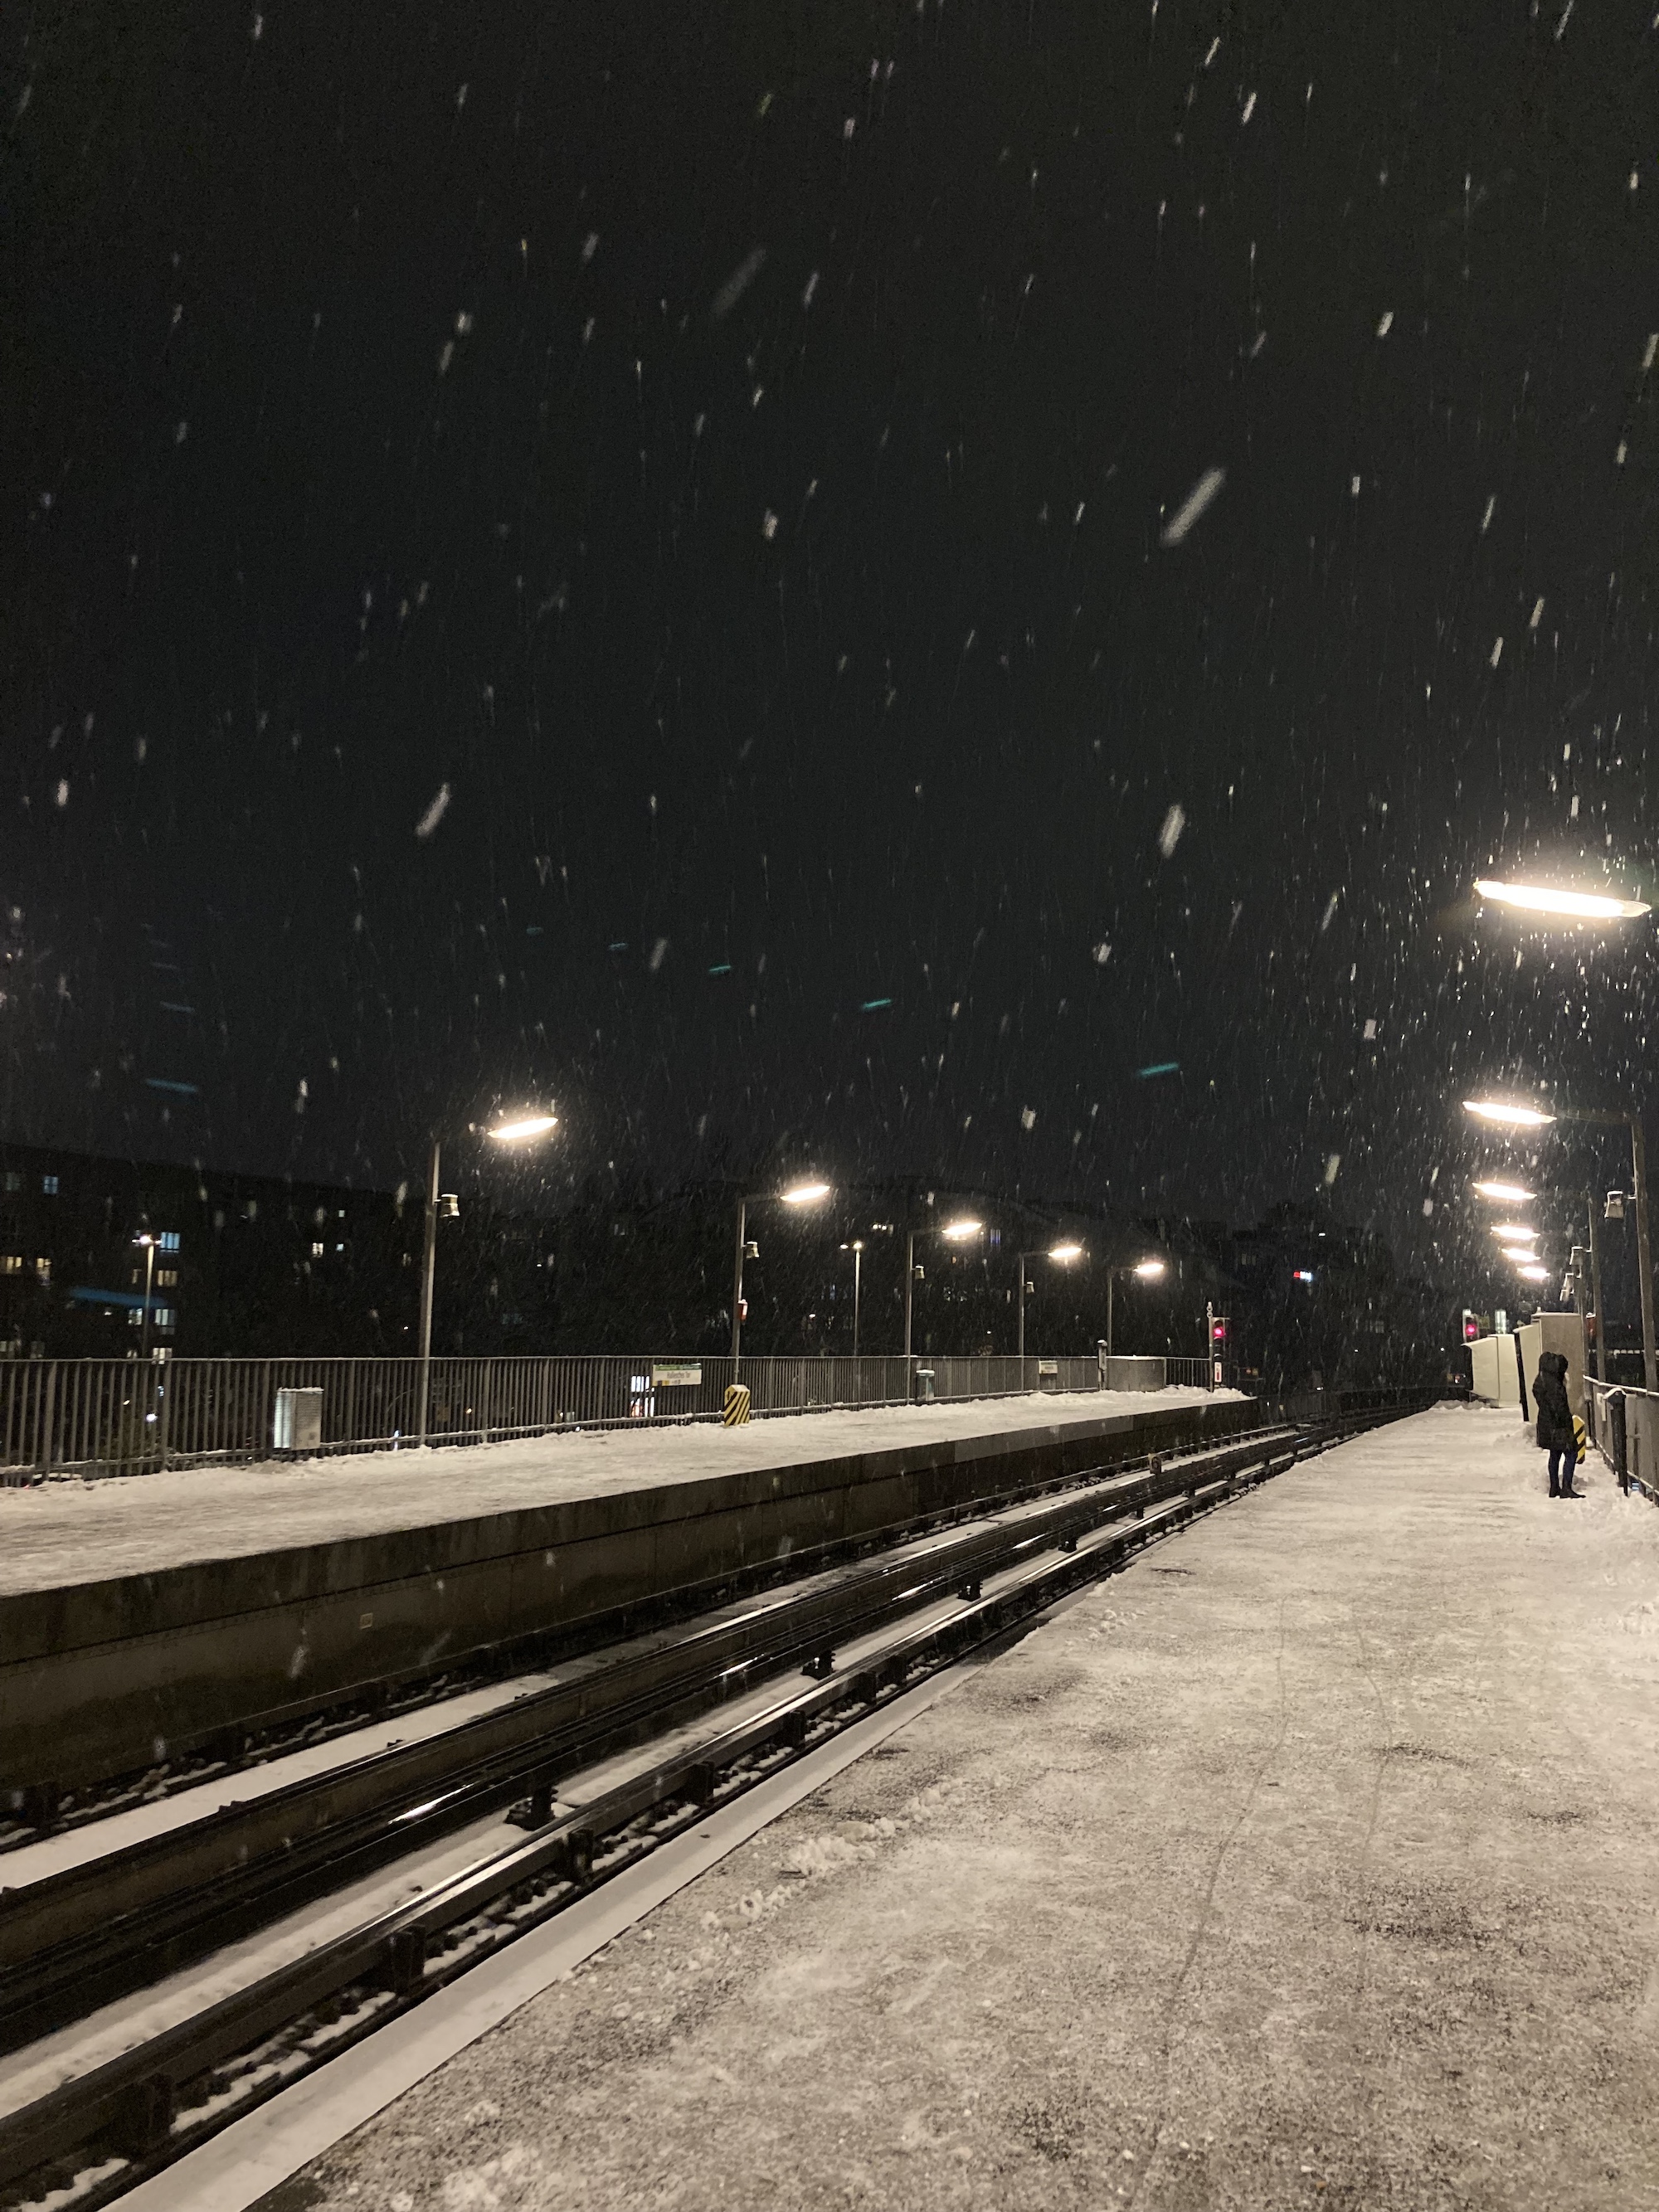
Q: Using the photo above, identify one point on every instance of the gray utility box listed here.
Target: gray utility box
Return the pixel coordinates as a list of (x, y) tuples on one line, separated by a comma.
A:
[(298, 1422)]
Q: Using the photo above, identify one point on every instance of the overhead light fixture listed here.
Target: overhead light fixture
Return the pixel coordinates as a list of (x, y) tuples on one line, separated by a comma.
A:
[(956, 1231), (1515, 1117), (1513, 1230), (1506, 1193), (1535, 1274), (1065, 1253), (1148, 1270), (516, 1132), (1569, 906), (805, 1193), (1522, 1252)]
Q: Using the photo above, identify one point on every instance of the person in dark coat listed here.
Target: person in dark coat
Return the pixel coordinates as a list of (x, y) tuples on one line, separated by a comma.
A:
[(1555, 1428)]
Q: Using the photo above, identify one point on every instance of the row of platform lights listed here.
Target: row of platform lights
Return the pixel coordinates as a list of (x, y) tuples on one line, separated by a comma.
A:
[(444, 1205), (1518, 1240), (960, 1232)]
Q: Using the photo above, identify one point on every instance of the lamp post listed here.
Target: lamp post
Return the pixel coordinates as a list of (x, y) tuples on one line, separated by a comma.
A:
[(1145, 1271), (1595, 1290), (804, 1193), (1506, 1115), (149, 1244), (445, 1205), (1063, 1255), (954, 1233), (856, 1248)]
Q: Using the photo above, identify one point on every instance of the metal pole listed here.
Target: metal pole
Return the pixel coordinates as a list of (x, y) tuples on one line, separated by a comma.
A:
[(1638, 1161), (1595, 1290), (1023, 1257), (910, 1289), (45, 1454), (429, 1270), (858, 1260), (737, 1283), (1581, 1310), (1111, 1284), (150, 1277)]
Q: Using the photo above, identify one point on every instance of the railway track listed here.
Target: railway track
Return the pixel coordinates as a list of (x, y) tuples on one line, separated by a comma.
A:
[(507, 1816)]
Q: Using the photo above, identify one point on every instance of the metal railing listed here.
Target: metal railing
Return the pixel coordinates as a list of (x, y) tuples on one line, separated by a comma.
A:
[(1624, 1426), (129, 1416)]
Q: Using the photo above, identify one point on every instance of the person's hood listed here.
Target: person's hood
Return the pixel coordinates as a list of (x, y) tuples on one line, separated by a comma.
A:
[(1553, 1363)]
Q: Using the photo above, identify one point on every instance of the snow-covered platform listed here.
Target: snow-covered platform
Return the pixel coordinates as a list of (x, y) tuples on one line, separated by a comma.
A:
[(159, 1610), (1307, 1862)]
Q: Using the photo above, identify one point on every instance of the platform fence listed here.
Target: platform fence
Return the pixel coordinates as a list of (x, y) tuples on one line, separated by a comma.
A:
[(1624, 1426), (97, 1417)]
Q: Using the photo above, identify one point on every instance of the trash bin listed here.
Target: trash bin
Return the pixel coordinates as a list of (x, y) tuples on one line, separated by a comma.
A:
[(925, 1383), (298, 1422), (1615, 1403)]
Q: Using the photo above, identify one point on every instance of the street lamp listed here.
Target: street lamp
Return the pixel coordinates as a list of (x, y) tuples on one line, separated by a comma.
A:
[(1063, 1255), (149, 1244), (1508, 1116), (1529, 1117), (953, 1232), (1505, 1194), (1144, 1271), (1513, 1231), (856, 1248), (801, 1194), (444, 1205), (1563, 905)]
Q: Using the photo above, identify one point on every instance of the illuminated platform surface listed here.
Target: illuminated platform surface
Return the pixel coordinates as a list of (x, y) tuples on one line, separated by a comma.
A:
[(1307, 1861)]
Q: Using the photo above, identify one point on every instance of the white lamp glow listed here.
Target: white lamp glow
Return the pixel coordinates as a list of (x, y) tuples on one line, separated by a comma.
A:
[(1572, 906)]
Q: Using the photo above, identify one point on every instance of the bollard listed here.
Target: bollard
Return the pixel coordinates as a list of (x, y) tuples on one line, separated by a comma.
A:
[(1618, 1436)]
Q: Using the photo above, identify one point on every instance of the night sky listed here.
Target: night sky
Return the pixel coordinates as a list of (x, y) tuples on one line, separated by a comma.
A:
[(618, 555)]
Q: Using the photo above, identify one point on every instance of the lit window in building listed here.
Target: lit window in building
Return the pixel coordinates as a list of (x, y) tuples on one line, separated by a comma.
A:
[(11, 1263), (49, 1185), (168, 1240), (43, 1270), (316, 1251), (165, 1277), (166, 1317)]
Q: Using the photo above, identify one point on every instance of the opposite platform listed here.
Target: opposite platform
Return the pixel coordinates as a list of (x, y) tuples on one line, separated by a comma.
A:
[(144, 1617)]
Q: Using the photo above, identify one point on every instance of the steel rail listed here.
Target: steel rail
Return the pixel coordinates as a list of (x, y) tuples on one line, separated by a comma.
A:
[(129, 2109), (227, 1748), (74, 1940)]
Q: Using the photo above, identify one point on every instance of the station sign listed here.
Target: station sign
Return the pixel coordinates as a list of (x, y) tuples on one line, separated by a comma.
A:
[(681, 1375)]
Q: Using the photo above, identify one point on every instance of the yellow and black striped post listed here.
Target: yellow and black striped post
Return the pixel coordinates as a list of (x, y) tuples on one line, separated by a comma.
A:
[(737, 1406)]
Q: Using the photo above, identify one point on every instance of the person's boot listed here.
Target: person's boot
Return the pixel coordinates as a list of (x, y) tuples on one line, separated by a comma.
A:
[(1555, 1489)]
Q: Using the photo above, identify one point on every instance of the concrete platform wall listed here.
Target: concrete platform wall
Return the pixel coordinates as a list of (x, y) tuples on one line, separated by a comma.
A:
[(103, 1678)]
